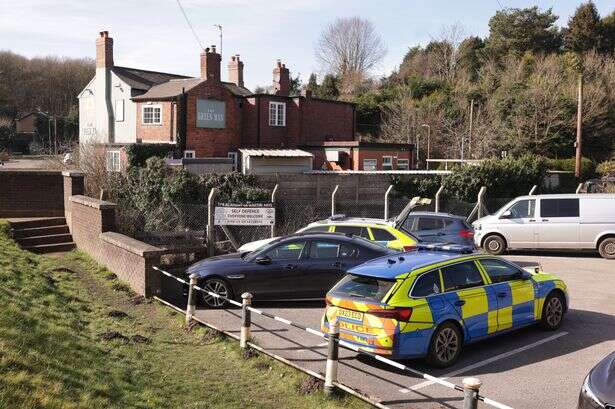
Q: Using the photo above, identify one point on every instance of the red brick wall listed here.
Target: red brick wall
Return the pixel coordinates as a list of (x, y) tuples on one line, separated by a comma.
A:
[(34, 193), (377, 154), (157, 133), (326, 121)]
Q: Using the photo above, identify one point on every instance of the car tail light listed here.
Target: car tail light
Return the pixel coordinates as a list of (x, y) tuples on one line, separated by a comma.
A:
[(466, 234), (409, 248), (398, 313)]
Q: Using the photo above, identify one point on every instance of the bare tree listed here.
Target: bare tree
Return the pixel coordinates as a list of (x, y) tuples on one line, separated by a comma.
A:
[(350, 48), (444, 51)]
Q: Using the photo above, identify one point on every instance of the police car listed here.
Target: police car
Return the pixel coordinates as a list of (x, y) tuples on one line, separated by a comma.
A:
[(433, 301)]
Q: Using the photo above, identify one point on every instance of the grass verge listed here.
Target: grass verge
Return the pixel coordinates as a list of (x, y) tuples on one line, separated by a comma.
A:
[(71, 336)]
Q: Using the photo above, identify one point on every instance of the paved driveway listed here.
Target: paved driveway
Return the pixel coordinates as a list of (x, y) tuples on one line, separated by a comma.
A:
[(529, 368)]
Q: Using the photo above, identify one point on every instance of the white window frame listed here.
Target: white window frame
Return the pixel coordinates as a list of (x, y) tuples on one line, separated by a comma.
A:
[(277, 113), (235, 157), (189, 154), (113, 161), (118, 110), (153, 106), (387, 163), (403, 164), (375, 165)]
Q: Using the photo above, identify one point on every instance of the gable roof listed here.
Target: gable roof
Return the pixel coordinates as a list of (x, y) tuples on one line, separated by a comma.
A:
[(143, 79), (174, 87)]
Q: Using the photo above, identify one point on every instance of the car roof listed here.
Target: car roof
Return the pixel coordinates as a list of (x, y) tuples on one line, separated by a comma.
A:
[(392, 266), (323, 236), (439, 214), (351, 221)]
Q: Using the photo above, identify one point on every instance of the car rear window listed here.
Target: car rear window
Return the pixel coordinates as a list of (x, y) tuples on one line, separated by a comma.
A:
[(354, 230), (364, 288), (426, 285), (382, 235)]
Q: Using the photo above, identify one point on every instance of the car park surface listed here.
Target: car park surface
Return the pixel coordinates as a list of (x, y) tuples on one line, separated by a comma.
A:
[(530, 369)]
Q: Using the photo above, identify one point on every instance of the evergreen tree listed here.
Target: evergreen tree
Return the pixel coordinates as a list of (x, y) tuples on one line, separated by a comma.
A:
[(329, 88), (312, 84), (584, 29), (608, 34)]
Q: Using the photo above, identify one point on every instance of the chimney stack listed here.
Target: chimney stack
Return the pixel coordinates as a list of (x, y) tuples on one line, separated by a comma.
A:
[(235, 70), (104, 50), (210, 64), (281, 79)]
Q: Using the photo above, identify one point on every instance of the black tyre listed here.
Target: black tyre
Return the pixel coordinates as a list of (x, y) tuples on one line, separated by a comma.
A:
[(218, 286), (445, 345), (607, 248), (553, 311), (494, 244)]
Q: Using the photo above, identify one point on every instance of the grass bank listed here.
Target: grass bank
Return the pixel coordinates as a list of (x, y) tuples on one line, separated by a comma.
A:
[(72, 336)]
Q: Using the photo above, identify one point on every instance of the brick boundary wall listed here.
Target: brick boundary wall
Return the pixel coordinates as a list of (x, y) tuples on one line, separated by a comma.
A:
[(31, 193)]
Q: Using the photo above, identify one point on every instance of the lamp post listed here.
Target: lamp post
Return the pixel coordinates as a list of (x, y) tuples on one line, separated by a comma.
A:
[(428, 143), (417, 149)]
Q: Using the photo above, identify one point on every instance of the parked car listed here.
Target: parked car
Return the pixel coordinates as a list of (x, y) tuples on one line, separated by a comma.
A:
[(431, 303), (598, 389), (431, 227), (297, 267), (563, 222)]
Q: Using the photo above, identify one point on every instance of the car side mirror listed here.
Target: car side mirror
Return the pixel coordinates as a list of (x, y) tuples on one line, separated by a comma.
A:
[(525, 275), (263, 260), (506, 215)]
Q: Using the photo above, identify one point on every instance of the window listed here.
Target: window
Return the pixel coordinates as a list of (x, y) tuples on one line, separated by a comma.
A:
[(189, 154), (348, 251), (408, 224), (287, 251), (370, 164), (365, 288), (460, 276), (430, 223), (277, 114), (316, 229), (382, 235), (324, 249), (500, 271), (387, 163), (559, 207), (233, 155), (113, 161), (522, 209), (426, 284), (152, 115), (354, 230), (403, 164), (119, 110)]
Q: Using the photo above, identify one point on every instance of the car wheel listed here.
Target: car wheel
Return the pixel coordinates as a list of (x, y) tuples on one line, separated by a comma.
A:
[(607, 248), (552, 312), (494, 244), (445, 345), (218, 286)]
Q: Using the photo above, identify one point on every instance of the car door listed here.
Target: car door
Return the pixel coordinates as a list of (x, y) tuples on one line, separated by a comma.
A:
[(277, 272), (464, 288), (513, 290), (323, 267), (518, 224), (558, 225)]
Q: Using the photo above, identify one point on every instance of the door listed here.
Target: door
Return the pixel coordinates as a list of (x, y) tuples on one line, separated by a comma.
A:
[(279, 274), (464, 289), (323, 268), (518, 224), (558, 225), (513, 291)]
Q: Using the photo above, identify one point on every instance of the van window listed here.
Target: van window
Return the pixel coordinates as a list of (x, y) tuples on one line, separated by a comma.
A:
[(559, 207), (523, 209), (460, 276), (426, 285)]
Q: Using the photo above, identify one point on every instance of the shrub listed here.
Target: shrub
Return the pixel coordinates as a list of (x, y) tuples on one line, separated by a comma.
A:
[(416, 186), (139, 153), (7, 133), (588, 167), (606, 168)]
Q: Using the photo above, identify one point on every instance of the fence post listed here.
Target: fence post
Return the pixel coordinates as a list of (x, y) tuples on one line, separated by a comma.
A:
[(333, 200), (191, 306), (332, 357), (470, 392), (533, 190), (481, 198), (579, 188), (438, 194), (246, 321), (210, 221), (386, 202), (273, 193)]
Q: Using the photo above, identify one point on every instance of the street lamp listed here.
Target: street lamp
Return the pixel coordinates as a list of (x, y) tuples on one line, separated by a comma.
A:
[(428, 142)]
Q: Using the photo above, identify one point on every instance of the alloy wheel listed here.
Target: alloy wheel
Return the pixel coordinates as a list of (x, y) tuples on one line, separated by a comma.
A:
[(554, 312), (218, 287), (447, 344)]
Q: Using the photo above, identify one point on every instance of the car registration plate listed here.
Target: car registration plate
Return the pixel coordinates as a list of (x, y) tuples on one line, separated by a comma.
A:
[(353, 315)]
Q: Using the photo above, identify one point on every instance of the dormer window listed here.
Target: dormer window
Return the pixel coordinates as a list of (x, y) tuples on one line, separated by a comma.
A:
[(277, 114)]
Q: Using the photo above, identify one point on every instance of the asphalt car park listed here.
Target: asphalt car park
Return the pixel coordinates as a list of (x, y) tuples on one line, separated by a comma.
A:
[(528, 368)]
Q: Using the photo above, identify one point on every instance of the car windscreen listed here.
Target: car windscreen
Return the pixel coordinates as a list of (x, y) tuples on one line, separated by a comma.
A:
[(363, 288)]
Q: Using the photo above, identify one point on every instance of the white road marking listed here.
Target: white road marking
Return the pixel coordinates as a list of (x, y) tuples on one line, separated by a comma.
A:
[(487, 361)]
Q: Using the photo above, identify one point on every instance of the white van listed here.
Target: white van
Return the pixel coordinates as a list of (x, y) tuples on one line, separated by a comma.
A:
[(566, 221)]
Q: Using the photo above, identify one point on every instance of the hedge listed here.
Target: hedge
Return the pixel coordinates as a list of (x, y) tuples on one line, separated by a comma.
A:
[(139, 153), (606, 168), (588, 167)]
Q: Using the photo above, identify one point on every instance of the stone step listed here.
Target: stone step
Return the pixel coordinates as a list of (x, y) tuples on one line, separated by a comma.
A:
[(39, 231), (37, 222), (51, 248), (47, 239)]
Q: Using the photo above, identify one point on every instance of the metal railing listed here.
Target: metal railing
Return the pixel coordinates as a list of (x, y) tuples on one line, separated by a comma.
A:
[(470, 386)]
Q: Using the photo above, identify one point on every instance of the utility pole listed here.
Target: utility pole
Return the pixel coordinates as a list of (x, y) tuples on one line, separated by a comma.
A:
[(577, 163), (471, 126), (219, 27), (428, 143)]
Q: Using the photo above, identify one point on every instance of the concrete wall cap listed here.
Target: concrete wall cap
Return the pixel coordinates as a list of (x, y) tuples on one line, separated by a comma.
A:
[(129, 244), (72, 173), (91, 202)]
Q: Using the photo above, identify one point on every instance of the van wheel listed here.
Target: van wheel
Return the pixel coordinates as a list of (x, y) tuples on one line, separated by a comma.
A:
[(445, 346), (494, 244), (607, 248)]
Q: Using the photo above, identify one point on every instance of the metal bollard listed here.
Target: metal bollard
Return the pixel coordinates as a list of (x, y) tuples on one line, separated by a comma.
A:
[(191, 306), (245, 335), (470, 392), (332, 357)]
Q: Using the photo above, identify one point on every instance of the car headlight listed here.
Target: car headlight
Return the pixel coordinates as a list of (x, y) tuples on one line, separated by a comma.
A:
[(589, 395)]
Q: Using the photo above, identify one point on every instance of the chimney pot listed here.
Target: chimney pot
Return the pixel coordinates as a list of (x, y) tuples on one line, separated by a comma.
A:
[(210, 65), (235, 70)]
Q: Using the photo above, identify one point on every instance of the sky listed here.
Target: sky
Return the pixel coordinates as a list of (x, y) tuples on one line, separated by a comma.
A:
[(153, 34)]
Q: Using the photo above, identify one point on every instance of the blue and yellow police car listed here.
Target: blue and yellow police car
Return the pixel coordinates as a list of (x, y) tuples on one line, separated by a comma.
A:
[(431, 302)]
